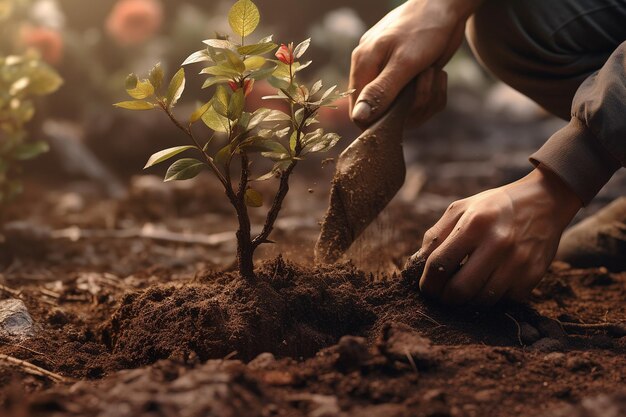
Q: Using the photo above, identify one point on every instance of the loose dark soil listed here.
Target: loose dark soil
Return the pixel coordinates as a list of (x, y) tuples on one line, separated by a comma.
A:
[(141, 327)]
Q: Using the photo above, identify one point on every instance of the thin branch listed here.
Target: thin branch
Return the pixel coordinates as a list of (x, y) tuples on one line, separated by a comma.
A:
[(283, 188), (189, 133), (31, 369)]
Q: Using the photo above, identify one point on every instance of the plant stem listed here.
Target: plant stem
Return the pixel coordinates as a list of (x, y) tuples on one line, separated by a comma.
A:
[(245, 248)]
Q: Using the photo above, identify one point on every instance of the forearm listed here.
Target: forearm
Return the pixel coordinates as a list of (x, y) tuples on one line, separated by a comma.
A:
[(462, 8), (588, 151)]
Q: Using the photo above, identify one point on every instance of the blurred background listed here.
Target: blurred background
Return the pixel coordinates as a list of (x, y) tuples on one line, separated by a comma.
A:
[(92, 176)]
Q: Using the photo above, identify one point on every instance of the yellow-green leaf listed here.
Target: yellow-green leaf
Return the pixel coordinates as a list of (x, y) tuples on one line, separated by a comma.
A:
[(156, 76), (166, 154), (215, 121), (184, 169), (244, 17), (143, 89), (135, 105), (176, 88), (199, 112), (254, 63), (253, 198)]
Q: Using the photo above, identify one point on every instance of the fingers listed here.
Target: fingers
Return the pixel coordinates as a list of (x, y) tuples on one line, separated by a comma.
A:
[(473, 275), (430, 97), (364, 68), (376, 97)]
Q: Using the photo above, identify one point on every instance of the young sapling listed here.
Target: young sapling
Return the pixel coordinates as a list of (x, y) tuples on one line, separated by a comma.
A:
[(232, 67)]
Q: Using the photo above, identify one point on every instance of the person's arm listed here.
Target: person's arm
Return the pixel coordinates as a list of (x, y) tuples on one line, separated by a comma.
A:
[(415, 37), (588, 151)]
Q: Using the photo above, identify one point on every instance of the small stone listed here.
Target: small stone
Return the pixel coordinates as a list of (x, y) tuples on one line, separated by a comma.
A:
[(579, 364), (487, 395), (15, 321), (262, 361), (548, 344), (434, 395), (353, 351), (556, 358), (529, 334), (404, 343)]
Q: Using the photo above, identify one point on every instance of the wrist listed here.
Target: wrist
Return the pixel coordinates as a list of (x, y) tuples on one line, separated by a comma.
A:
[(462, 9), (562, 196)]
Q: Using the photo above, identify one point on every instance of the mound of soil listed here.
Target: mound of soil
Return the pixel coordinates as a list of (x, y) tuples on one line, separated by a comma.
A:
[(288, 312)]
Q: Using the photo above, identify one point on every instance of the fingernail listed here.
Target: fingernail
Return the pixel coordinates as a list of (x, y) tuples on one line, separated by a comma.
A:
[(362, 111)]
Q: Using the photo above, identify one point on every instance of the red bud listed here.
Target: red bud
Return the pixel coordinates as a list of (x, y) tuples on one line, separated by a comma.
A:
[(285, 54)]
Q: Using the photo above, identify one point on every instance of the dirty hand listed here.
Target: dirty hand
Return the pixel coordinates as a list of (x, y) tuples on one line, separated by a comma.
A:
[(497, 244), (416, 36)]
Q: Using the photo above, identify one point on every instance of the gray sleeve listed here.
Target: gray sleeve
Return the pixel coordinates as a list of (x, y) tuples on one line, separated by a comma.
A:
[(587, 152)]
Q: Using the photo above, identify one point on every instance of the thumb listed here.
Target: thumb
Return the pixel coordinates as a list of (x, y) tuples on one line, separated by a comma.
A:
[(377, 96)]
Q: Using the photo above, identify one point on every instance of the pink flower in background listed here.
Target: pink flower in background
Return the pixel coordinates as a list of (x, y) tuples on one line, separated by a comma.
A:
[(48, 42), (132, 22), (285, 54), (247, 86)]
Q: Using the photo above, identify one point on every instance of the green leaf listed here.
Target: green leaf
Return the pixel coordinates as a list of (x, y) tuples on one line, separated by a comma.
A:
[(235, 61), (199, 112), (166, 154), (323, 144), (262, 73), (300, 67), (299, 50), (156, 76), (277, 116), (279, 83), (198, 56), (222, 44), (268, 176), (184, 169), (258, 117), (31, 150), (131, 81), (254, 62), (236, 104), (244, 17), (253, 198), (293, 141), (215, 80), (259, 144), (176, 88), (257, 49), (143, 89), (223, 155), (316, 87), (214, 120), (220, 70), (135, 105)]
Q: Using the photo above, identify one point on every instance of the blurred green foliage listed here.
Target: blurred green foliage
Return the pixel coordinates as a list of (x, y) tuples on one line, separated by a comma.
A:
[(23, 77)]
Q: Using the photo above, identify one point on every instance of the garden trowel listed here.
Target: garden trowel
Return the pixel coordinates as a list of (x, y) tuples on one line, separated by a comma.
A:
[(369, 174)]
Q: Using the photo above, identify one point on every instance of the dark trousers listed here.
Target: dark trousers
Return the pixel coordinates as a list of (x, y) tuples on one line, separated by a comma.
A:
[(546, 48)]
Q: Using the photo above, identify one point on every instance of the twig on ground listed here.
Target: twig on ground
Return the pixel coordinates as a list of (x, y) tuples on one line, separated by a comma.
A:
[(35, 352), (149, 231), (613, 329), (31, 369), (14, 293)]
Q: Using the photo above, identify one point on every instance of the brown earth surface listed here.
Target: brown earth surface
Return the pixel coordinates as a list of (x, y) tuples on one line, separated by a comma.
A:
[(139, 326)]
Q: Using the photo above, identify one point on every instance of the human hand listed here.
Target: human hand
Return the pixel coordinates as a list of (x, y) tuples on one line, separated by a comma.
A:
[(417, 38), (497, 244)]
